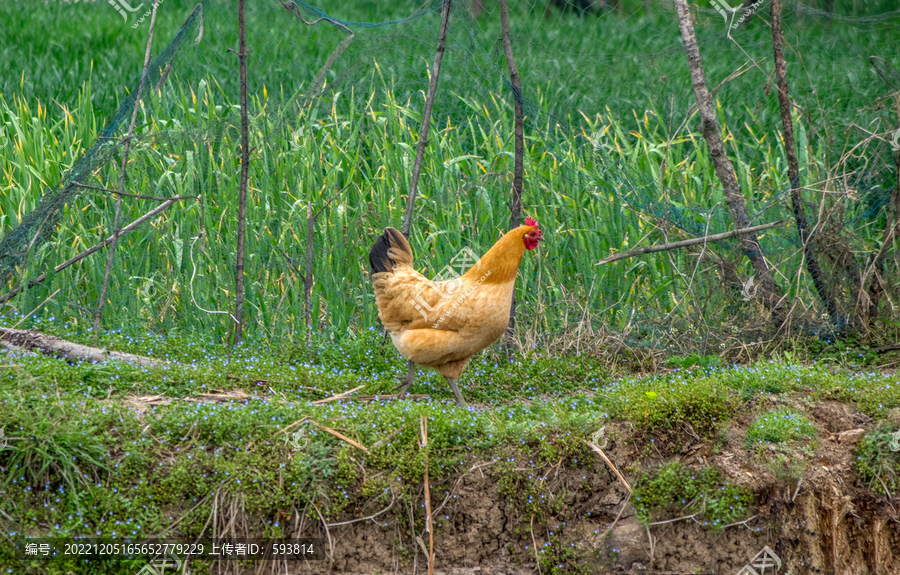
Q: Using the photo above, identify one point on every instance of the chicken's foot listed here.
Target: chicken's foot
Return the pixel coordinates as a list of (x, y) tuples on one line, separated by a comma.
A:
[(459, 398), (406, 381)]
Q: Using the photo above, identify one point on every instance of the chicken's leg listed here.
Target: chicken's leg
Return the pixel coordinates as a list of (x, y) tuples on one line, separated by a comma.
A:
[(407, 380), (459, 398)]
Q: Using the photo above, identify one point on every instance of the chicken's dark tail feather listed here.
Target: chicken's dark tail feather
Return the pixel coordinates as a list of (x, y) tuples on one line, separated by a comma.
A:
[(380, 260)]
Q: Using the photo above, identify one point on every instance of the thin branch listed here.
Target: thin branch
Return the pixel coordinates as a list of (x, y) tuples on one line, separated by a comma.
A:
[(245, 174), (327, 532), (130, 227), (515, 205), (744, 522), (338, 397), (673, 520), (339, 435), (122, 174), (308, 276), (537, 559), (886, 72), (139, 196), (711, 132), (182, 517), (426, 118), (784, 104), (686, 243), (796, 491), (367, 517), (621, 510), (29, 314), (428, 517)]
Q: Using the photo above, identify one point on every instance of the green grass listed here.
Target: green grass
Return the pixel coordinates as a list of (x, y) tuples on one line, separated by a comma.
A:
[(83, 457), (878, 461)]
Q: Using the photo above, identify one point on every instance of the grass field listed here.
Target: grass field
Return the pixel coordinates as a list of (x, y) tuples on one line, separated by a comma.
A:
[(639, 355), (607, 158)]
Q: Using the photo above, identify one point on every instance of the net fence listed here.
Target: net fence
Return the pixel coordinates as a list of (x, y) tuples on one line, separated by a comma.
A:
[(613, 160)]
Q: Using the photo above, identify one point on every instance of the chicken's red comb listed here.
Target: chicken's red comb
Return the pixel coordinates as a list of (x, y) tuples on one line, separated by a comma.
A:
[(531, 222)]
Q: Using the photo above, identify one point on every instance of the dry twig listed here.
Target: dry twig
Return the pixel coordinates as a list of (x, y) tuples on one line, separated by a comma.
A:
[(609, 464), (337, 397), (430, 524), (685, 243)]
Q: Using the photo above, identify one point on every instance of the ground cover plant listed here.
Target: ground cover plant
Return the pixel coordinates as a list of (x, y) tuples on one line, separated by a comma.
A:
[(92, 449)]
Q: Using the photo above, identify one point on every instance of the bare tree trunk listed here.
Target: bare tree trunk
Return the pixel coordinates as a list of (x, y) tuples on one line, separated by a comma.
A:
[(709, 128), (784, 102), (426, 118), (515, 205), (125, 151), (245, 174)]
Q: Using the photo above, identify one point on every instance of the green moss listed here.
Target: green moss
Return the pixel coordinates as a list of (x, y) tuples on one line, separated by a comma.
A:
[(674, 490)]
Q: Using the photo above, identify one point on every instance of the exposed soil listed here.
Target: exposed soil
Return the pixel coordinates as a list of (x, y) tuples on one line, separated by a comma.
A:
[(826, 523)]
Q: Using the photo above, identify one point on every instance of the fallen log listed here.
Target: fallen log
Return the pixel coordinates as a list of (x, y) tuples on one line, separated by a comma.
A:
[(31, 339)]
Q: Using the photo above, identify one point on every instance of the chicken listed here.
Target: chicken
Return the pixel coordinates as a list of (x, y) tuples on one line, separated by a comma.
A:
[(442, 324)]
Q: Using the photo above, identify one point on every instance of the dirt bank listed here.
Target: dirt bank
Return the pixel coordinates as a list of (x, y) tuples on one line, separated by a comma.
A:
[(812, 514)]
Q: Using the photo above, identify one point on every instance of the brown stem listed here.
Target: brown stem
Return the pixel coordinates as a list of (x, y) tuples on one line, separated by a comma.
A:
[(784, 103), (515, 205), (245, 173), (125, 151), (308, 276), (709, 128), (426, 119)]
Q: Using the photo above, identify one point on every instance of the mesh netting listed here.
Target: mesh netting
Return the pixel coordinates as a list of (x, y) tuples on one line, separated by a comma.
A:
[(613, 160)]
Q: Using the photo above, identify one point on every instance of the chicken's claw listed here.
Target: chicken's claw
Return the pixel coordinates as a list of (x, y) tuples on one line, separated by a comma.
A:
[(406, 381)]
